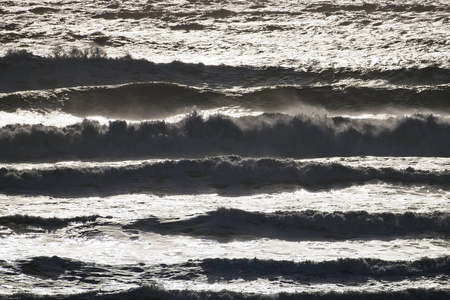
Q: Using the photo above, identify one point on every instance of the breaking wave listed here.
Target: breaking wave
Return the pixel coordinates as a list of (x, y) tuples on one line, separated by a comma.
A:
[(276, 135)]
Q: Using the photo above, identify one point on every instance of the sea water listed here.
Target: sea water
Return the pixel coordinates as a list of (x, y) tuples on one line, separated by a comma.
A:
[(225, 149)]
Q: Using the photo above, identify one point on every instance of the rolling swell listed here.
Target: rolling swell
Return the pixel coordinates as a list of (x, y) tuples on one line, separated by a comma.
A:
[(65, 71), (219, 174), (265, 135), (225, 224), (135, 100), (161, 100), (350, 99)]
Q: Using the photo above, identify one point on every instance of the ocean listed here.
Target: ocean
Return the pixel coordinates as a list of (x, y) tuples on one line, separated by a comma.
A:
[(216, 149)]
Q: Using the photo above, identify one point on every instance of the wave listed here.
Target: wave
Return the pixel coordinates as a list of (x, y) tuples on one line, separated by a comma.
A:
[(50, 267), (132, 101), (225, 224), (217, 174), (89, 67), (252, 269), (25, 223), (217, 269), (276, 135), (248, 269), (349, 271), (41, 10), (154, 100), (349, 99)]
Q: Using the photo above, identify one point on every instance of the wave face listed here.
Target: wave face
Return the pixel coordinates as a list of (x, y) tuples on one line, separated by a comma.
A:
[(276, 149)]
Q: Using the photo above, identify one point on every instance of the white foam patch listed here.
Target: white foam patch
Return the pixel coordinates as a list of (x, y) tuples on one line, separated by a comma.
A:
[(54, 118), (228, 111)]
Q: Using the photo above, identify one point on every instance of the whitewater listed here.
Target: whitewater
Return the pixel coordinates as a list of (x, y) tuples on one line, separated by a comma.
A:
[(225, 149)]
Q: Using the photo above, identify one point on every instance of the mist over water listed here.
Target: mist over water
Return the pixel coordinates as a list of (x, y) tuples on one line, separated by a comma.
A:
[(224, 149)]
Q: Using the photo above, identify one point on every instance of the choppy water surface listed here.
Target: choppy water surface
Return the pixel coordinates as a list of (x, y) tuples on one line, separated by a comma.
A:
[(225, 149)]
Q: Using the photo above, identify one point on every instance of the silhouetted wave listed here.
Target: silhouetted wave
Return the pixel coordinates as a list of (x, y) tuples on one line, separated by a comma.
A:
[(265, 135)]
